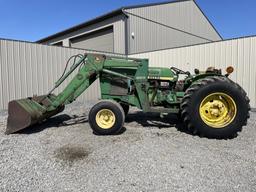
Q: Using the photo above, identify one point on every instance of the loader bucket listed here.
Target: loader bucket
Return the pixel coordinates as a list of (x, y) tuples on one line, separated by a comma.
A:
[(26, 112)]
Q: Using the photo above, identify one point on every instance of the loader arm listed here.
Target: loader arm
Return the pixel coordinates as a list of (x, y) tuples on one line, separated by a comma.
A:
[(26, 112), (87, 74)]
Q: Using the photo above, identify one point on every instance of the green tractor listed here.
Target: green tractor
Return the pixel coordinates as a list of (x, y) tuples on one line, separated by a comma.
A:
[(208, 103)]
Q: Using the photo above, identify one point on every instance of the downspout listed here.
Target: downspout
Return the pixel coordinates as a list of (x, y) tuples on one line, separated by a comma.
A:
[(126, 33)]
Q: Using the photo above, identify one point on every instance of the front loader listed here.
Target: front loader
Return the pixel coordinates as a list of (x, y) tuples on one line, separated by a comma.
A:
[(208, 103)]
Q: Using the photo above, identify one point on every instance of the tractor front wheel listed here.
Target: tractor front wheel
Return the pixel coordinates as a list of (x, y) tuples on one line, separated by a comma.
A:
[(106, 117), (126, 108), (215, 107)]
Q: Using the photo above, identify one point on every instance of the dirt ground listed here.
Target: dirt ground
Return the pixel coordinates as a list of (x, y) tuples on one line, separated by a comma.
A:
[(151, 154)]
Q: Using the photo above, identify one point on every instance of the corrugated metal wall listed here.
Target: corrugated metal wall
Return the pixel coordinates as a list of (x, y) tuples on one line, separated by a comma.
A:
[(184, 15), (240, 53), (29, 68), (102, 40)]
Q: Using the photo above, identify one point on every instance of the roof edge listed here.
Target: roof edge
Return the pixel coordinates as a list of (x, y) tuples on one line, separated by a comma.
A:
[(208, 19), (103, 17), (84, 24), (154, 4), (120, 12)]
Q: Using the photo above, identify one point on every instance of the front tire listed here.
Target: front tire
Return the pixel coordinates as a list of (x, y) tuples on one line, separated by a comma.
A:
[(106, 117), (215, 107), (126, 108)]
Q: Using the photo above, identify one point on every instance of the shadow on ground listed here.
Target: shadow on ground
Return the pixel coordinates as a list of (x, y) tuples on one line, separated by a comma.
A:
[(56, 121), (141, 118), (154, 120)]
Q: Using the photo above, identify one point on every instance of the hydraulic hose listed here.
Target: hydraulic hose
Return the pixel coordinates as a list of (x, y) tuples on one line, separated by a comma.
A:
[(64, 75)]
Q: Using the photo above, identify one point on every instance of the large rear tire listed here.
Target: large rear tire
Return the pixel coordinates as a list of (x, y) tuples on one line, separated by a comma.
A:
[(106, 117), (215, 107)]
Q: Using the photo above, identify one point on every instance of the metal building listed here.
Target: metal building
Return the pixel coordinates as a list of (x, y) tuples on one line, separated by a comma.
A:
[(141, 28)]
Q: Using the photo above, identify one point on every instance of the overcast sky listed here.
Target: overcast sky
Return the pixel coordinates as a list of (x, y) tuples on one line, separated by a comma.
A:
[(31, 20)]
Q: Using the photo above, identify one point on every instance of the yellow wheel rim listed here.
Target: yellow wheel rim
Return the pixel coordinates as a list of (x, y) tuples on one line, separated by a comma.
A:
[(218, 110), (105, 119)]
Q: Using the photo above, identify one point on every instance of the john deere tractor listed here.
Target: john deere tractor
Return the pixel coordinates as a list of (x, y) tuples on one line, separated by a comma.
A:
[(209, 103)]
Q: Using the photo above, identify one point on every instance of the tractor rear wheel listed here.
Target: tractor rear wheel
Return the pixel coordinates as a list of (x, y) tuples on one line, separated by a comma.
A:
[(215, 107), (106, 117)]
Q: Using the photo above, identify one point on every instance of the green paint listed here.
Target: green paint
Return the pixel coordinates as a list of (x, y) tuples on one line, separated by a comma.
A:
[(130, 81)]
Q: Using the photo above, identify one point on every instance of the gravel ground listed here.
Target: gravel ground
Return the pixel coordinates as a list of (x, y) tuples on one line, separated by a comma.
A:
[(150, 155)]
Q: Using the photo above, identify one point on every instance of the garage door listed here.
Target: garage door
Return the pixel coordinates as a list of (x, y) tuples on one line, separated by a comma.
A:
[(102, 40)]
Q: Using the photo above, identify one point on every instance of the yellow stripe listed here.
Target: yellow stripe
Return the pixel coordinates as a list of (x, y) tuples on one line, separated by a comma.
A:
[(166, 78), (161, 78)]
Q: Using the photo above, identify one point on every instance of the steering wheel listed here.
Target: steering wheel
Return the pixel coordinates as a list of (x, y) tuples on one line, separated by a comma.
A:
[(179, 71)]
